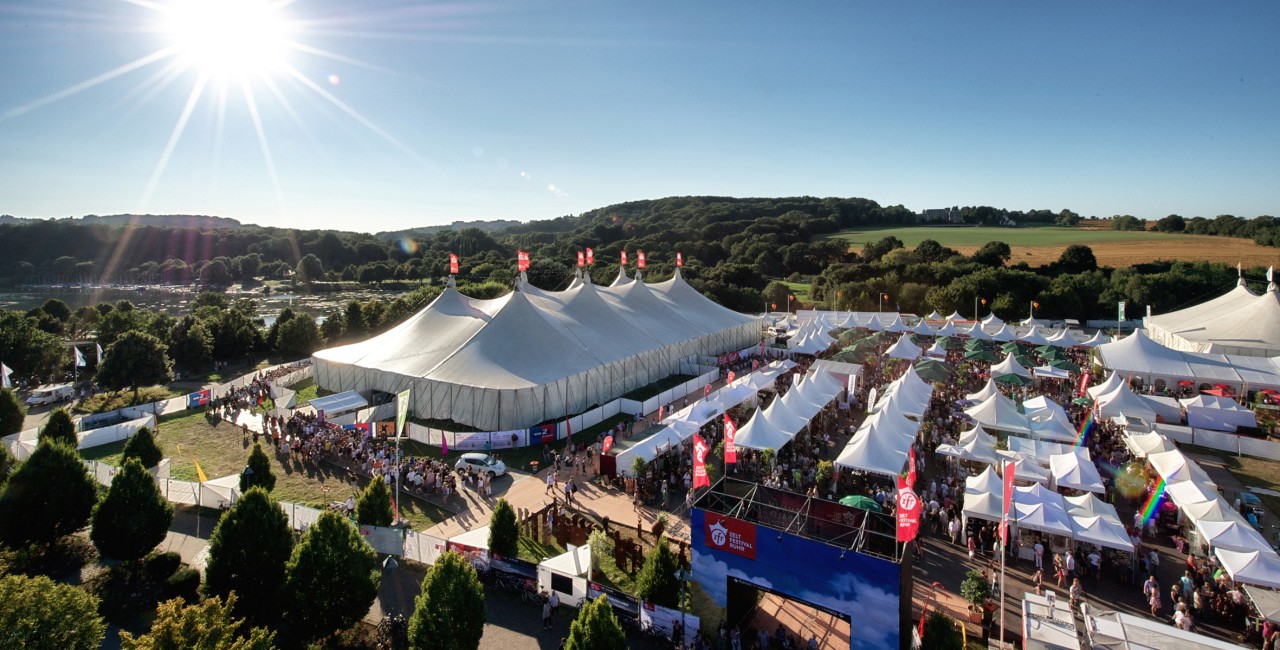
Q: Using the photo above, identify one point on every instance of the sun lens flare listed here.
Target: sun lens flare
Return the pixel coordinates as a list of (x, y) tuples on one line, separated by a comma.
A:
[(229, 39)]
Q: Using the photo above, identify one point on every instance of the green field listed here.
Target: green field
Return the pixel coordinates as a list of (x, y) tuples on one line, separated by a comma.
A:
[(976, 236)]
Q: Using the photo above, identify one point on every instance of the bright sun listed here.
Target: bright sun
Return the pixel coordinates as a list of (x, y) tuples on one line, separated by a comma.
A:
[(230, 39)]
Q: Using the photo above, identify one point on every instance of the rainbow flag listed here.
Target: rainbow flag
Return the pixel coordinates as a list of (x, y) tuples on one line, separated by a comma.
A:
[(1149, 509), (1085, 428)]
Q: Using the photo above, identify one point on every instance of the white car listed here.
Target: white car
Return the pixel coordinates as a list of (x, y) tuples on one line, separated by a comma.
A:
[(481, 463), (51, 394)]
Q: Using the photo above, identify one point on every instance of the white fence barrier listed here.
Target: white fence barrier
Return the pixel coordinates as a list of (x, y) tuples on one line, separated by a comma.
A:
[(1259, 448)]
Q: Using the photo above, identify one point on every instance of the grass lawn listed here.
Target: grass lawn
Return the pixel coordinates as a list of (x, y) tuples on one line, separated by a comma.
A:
[(113, 400), (531, 550), (800, 290), (1253, 472), (976, 236), (308, 390), (220, 449)]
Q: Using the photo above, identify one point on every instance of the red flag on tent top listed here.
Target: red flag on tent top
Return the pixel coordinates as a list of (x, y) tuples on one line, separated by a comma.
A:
[(624, 258), (608, 444), (453, 264), (591, 257), (640, 259), (700, 449), (522, 260), (582, 259), (730, 446), (679, 259)]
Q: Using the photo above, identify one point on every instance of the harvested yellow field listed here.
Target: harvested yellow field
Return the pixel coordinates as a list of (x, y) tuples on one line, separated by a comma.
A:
[(1228, 250)]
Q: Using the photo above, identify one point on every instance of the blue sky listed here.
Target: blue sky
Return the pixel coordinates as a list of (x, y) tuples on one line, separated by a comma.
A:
[(542, 109)]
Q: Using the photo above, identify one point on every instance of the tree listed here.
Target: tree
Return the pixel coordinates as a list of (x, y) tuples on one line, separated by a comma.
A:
[(59, 428), (257, 471), (994, 253), (657, 582), (135, 359), (504, 532), (1171, 223), (449, 612), (207, 625), (142, 446), (191, 343), (331, 579), (247, 555), (7, 464), (25, 348), (373, 507), (40, 614), (215, 274), (57, 309), (299, 337), (1066, 218), (48, 496), (941, 632), (12, 413), (1078, 258), (596, 628), (1127, 222), (134, 517), (310, 269)]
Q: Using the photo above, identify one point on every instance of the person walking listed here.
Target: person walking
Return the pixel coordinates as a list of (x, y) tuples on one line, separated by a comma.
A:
[(1151, 590), (546, 614), (1077, 592), (551, 481)]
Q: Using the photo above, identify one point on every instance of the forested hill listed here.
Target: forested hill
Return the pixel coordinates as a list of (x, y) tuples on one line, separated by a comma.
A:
[(199, 222)]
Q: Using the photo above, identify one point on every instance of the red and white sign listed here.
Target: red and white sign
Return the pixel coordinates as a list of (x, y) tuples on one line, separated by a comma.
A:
[(730, 447), (624, 258), (1008, 501), (679, 259), (522, 260), (908, 513), (608, 444), (700, 449), (591, 257), (732, 535), (706, 390), (1084, 383), (911, 467), (731, 377), (640, 259), (582, 259), (453, 264)]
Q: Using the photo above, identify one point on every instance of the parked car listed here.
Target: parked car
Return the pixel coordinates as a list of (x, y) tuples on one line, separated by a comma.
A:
[(1251, 508), (51, 394), (479, 462)]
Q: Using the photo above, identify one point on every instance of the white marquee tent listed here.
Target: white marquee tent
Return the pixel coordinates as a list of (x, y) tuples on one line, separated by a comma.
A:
[(1072, 471), (1237, 322), (1217, 413), (1009, 366), (1260, 568), (1000, 413)]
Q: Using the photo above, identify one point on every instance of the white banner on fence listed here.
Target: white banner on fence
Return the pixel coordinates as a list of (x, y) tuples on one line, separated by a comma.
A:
[(388, 541), (1217, 440)]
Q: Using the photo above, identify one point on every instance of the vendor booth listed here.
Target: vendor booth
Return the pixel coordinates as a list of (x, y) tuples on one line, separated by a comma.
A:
[(567, 575)]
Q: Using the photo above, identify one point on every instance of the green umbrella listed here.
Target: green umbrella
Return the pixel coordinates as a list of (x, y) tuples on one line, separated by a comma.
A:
[(921, 340), (849, 336), (859, 501), (1024, 360), (848, 356), (1052, 354), (1065, 365), (981, 355), (1008, 347), (1013, 380), (1082, 401), (933, 370), (952, 342)]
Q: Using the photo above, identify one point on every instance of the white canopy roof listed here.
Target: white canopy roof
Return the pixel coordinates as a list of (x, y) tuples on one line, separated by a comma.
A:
[(1112, 630), (1188, 492), (974, 445), (1216, 509), (976, 332), (1094, 341), (1144, 444), (1236, 322), (758, 433), (1233, 535), (988, 390), (999, 412), (1034, 336), (1050, 372), (1217, 413), (936, 351), (1071, 471), (985, 481), (933, 315), (475, 538), (1088, 505), (1260, 568), (874, 452), (334, 405), (1174, 467), (575, 562), (1102, 530), (1042, 509), (955, 316), (984, 505), (1113, 381), (903, 349), (1004, 334), (992, 321), (947, 329), (1123, 401), (1025, 468), (924, 328), (1009, 366)]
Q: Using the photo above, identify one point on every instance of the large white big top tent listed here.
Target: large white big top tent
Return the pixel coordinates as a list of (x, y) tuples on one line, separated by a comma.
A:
[(1237, 322), (532, 356)]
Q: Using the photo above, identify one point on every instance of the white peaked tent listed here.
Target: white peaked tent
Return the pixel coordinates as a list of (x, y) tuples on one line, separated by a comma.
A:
[(1004, 334), (984, 505), (1049, 421), (1064, 338), (1145, 444), (1216, 510), (947, 329), (933, 316), (986, 481), (992, 321), (1232, 534), (1032, 321), (1025, 468), (1174, 467), (1113, 381), (1123, 401), (936, 351), (1096, 340), (1042, 509), (1000, 413), (1034, 336), (1217, 413), (1088, 505), (1009, 366), (784, 418), (897, 400), (924, 328), (878, 458), (1050, 372), (1072, 471), (987, 391), (903, 349), (1138, 352), (955, 316), (758, 433), (896, 325), (1103, 531), (1187, 493), (1236, 322), (976, 332), (532, 356), (974, 445), (1260, 568)]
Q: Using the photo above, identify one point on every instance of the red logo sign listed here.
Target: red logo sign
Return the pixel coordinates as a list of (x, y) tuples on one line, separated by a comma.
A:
[(700, 449), (730, 442), (732, 535), (908, 513)]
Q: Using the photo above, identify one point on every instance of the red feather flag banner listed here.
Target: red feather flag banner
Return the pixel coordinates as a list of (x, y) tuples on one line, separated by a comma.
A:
[(700, 449), (453, 264), (640, 259), (582, 259), (522, 260), (624, 258), (591, 257), (679, 259), (730, 447)]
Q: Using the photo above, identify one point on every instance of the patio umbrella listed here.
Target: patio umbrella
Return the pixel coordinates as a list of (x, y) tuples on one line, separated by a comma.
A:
[(859, 501), (1013, 380), (931, 370), (981, 355), (847, 356), (1082, 401), (1065, 365), (1187, 383), (952, 342), (849, 336), (1008, 347), (1024, 360), (1052, 354)]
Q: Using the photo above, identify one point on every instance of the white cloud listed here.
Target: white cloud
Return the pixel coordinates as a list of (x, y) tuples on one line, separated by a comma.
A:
[(876, 609), (713, 575)]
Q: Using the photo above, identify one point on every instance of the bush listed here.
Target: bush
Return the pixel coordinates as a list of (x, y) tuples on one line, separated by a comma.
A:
[(38, 613), (114, 400), (59, 428), (504, 531), (160, 565), (184, 583), (940, 632), (975, 589), (142, 445)]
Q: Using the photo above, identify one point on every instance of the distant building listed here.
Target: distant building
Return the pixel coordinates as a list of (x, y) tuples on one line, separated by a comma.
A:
[(941, 215)]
